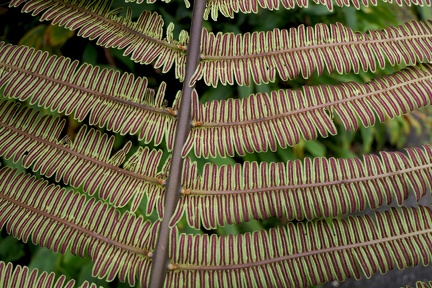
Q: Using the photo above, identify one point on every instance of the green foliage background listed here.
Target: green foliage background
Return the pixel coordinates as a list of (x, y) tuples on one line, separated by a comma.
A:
[(17, 28)]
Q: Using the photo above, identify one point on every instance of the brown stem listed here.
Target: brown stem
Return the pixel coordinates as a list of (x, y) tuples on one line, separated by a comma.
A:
[(109, 57), (173, 189)]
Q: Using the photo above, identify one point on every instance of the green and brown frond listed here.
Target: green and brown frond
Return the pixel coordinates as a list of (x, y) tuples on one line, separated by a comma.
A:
[(304, 254), (260, 57), (21, 276), (420, 284), (317, 188), (187, 3), (229, 7), (118, 244), (314, 206), (282, 118), (142, 40), (120, 102), (85, 161)]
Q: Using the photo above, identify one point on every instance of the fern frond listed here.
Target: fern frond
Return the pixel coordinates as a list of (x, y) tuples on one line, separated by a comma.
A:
[(420, 284), (65, 221), (21, 276), (304, 254), (142, 40), (261, 56), (316, 188), (122, 103), (229, 7), (283, 117), (85, 161), (187, 3)]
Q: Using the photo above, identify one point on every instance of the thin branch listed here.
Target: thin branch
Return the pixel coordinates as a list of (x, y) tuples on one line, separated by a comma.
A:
[(109, 57), (173, 190)]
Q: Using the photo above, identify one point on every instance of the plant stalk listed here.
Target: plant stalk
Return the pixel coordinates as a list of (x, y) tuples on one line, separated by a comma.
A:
[(173, 188)]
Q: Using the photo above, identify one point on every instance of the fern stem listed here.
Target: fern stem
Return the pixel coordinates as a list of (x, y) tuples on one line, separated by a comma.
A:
[(173, 188)]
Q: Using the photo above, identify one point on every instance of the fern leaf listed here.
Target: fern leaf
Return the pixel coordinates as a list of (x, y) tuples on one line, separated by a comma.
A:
[(94, 20), (122, 103), (21, 276), (304, 254), (65, 221), (261, 56), (85, 161), (420, 284), (187, 3), (316, 188), (229, 7), (283, 117)]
